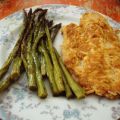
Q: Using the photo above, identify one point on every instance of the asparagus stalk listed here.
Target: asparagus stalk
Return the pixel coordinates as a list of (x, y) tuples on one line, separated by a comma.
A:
[(58, 74), (31, 73), (54, 30), (15, 74), (42, 92), (37, 30), (39, 16), (39, 27), (16, 69), (4, 84), (49, 69), (30, 65), (49, 23), (24, 41), (37, 36), (7, 63), (28, 58), (13, 53), (77, 90), (40, 35), (23, 58), (68, 90), (43, 65), (29, 20), (23, 54)]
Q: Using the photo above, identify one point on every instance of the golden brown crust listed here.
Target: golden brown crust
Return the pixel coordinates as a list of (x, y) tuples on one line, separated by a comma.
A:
[(91, 52)]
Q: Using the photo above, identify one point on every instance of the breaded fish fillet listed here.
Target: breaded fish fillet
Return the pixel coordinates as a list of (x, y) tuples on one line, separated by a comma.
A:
[(91, 52)]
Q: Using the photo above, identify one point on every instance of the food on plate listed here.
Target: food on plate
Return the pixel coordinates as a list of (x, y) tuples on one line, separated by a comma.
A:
[(91, 52), (49, 69), (78, 91), (34, 54), (56, 67), (5, 67)]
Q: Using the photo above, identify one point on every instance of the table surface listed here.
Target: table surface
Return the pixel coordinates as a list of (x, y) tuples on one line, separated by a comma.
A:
[(107, 7)]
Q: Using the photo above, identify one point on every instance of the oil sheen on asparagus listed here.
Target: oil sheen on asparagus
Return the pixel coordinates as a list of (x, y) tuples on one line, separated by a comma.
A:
[(35, 55)]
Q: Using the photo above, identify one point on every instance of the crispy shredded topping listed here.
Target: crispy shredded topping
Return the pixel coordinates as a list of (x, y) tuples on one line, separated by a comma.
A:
[(91, 52)]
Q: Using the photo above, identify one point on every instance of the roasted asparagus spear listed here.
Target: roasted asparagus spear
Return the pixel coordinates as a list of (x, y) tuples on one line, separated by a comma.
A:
[(58, 74), (54, 30), (7, 63), (4, 84), (16, 69), (42, 92), (24, 41), (43, 65), (28, 59), (5, 67), (49, 69), (14, 75), (68, 90), (30, 66), (17, 63), (77, 90)]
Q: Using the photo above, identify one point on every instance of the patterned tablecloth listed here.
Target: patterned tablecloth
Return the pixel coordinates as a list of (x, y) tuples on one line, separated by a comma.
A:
[(107, 7)]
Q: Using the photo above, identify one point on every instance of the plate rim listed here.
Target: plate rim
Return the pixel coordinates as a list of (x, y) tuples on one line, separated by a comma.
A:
[(61, 5)]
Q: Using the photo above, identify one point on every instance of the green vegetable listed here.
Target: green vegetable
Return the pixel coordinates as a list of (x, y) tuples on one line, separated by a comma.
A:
[(30, 65), (4, 84), (54, 30), (15, 74), (7, 63), (68, 90), (16, 69), (58, 74), (43, 65), (42, 92), (77, 90), (49, 69)]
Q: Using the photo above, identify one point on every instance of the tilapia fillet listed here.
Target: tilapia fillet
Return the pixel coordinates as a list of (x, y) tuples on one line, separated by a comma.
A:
[(91, 52)]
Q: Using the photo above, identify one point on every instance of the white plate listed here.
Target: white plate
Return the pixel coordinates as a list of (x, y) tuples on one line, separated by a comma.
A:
[(18, 103)]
